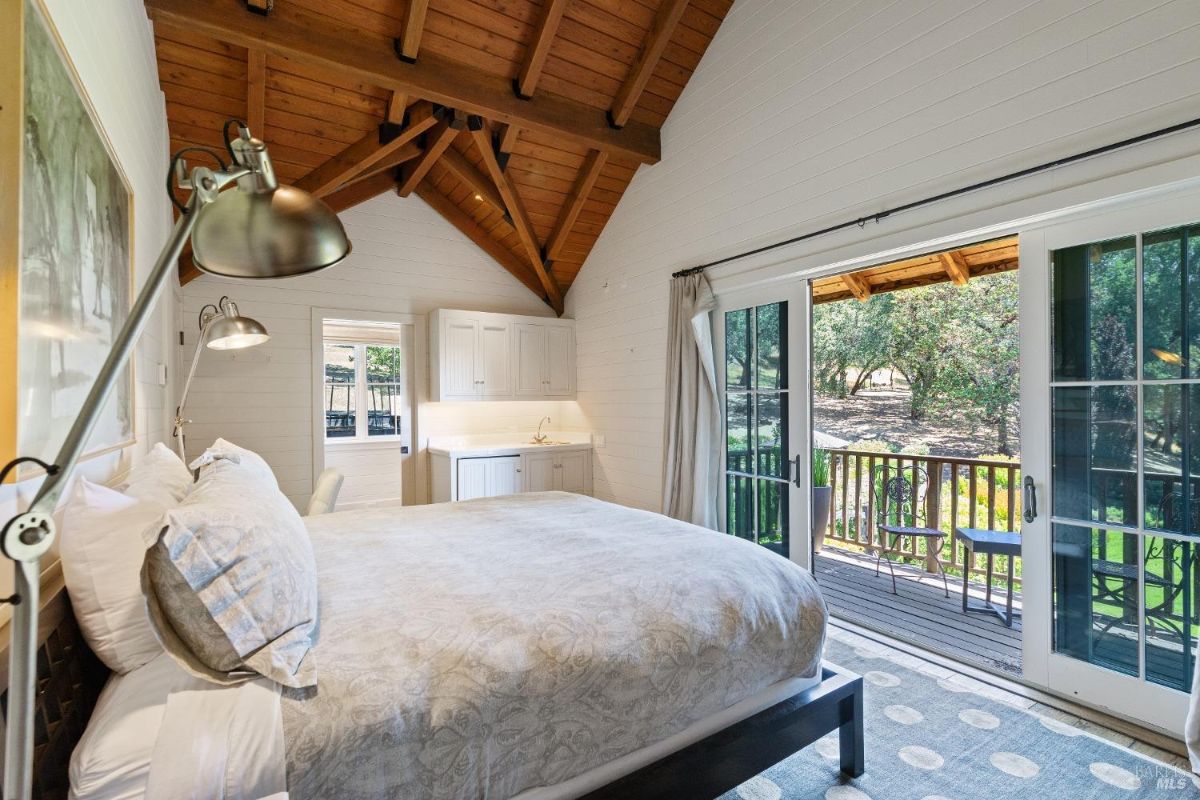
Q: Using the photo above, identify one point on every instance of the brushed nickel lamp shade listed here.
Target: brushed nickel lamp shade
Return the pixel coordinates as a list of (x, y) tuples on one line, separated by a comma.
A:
[(257, 230)]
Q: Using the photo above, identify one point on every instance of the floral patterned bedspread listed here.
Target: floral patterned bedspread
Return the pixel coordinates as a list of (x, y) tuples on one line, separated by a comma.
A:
[(477, 649)]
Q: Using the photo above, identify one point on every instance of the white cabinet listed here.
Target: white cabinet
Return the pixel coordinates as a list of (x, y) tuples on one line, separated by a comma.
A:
[(568, 471), (545, 359), (488, 477), (481, 356), (465, 475)]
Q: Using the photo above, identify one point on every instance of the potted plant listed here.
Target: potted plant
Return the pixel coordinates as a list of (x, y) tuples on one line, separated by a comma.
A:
[(822, 495)]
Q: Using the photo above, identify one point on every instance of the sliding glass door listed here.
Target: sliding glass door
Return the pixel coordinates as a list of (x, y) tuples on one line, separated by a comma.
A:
[(763, 420), (1119, 407)]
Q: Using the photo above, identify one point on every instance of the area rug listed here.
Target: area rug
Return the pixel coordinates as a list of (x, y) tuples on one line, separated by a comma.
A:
[(932, 734)]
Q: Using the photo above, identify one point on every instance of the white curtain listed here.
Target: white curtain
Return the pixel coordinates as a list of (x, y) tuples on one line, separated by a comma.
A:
[(691, 443), (1191, 730)]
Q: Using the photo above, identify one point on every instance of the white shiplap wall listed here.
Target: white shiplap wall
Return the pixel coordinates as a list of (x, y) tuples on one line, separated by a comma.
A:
[(805, 113), (112, 48), (406, 260)]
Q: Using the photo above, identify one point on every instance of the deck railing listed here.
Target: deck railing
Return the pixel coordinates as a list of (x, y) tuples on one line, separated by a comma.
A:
[(936, 492)]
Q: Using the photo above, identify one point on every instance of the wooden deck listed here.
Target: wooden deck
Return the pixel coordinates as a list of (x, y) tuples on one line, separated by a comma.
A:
[(921, 614)]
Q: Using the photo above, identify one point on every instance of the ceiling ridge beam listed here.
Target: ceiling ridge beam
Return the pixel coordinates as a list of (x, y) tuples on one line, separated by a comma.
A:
[(584, 182), (657, 39), (482, 239), (359, 56), (365, 153), (485, 190), (516, 210), (436, 142)]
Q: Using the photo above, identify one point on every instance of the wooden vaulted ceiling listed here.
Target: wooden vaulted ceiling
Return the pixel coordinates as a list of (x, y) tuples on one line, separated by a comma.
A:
[(520, 122)]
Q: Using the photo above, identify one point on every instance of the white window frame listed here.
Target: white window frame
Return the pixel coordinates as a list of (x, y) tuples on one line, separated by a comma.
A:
[(362, 393)]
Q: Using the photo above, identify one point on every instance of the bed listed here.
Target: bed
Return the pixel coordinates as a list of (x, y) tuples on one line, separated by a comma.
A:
[(540, 646)]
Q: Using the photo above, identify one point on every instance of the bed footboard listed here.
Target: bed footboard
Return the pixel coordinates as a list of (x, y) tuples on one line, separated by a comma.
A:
[(730, 757)]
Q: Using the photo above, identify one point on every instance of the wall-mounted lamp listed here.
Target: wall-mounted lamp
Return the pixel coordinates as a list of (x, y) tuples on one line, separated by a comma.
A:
[(222, 327), (258, 230)]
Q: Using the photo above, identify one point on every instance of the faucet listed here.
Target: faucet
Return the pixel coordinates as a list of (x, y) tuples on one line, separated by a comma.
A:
[(540, 437)]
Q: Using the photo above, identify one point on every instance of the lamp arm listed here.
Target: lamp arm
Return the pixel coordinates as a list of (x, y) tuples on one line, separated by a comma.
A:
[(26, 537), (177, 432)]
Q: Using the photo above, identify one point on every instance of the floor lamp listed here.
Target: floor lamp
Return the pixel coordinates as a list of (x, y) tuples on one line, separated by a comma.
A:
[(222, 327), (242, 223)]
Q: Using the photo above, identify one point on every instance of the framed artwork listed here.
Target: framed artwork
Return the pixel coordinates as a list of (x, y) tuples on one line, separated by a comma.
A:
[(66, 232)]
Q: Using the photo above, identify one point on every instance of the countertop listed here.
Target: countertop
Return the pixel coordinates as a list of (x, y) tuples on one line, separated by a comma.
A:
[(506, 444)]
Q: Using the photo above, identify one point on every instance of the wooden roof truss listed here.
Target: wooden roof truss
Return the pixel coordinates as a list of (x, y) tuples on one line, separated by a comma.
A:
[(521, 122)]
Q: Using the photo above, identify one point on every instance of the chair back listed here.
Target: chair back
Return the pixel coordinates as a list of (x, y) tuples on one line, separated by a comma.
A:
[(897, 501), (325, 492)]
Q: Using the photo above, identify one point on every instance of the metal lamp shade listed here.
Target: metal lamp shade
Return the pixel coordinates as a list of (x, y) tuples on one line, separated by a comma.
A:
[(275, 234), (234, 333)]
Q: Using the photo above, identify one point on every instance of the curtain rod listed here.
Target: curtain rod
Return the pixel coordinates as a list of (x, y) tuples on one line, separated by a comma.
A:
[(937, 198)]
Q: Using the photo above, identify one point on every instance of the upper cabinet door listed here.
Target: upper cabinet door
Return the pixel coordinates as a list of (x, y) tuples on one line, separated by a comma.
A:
[(494, 365), (460, 358), (560, 360), (531, 359)]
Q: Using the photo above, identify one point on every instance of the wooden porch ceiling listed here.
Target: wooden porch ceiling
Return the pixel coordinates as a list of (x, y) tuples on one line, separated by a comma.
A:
[(522, 122), (957, 266)]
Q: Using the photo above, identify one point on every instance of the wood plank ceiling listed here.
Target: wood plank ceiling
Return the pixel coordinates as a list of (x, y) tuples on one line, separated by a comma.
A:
[(520, 122), (957, 266)]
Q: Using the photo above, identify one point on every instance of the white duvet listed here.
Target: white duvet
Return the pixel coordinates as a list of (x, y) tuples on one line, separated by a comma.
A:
[(481, 649)]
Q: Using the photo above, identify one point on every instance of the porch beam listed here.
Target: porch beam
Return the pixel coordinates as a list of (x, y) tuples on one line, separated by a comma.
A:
[(956, 267), (858, 286)]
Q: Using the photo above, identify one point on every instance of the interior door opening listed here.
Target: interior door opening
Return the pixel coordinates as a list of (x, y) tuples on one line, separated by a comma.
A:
[(916, 473)]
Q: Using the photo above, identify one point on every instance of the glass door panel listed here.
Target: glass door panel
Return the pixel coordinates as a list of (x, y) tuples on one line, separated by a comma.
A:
[(756, 425), (1125, 453)]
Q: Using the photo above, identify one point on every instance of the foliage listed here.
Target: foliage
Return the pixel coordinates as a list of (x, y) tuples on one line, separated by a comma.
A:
[(957, 347), (820, 467), (874, 446)]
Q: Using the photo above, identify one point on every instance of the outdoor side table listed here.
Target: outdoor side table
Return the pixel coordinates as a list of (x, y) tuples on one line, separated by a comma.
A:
[(991, 544)]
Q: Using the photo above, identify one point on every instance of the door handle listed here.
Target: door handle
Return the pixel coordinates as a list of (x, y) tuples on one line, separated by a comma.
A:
[(1030, 498), (795, 462)]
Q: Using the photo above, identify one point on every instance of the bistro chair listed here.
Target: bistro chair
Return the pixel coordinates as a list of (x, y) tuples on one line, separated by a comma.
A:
[(898, 502)]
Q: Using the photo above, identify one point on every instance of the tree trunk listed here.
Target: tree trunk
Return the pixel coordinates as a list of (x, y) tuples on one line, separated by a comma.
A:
[(1002, 435)]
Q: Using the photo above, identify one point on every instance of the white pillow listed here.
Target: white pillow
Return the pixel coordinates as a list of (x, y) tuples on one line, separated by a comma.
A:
[(104, 539), (112, 759), (160, 476), (222, 448)]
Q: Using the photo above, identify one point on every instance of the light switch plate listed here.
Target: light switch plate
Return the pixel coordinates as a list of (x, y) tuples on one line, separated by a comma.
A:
[(162, 374)]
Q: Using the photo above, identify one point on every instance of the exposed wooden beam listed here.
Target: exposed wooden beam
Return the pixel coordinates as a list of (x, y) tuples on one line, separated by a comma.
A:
[(508, 139), (659, 36), (262, 7), (482, 134), (396, 104), (481, 184), (256, 91), (357, 55), (539, 48), (436, 143), (364, 153), (956, 267), (409, 41), (858, 286), (406, 153), (575, 200), (360, 191), (477, 234)]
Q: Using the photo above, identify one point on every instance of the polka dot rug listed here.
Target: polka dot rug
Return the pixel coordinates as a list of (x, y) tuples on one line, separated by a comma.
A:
[(932, 734)]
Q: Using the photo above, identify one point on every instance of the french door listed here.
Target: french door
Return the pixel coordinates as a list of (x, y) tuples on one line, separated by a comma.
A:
[(1110, 308), (761, 351)]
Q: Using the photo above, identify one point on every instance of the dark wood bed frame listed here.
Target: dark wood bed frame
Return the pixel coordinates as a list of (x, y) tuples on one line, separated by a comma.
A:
[(70, 678)]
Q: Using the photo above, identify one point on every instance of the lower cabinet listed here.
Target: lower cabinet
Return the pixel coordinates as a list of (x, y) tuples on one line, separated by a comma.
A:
[(467, 477), (564, 472), (488, 477)]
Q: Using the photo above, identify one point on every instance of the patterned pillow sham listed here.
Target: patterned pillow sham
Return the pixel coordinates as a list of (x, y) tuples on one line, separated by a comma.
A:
[(231, 582)]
